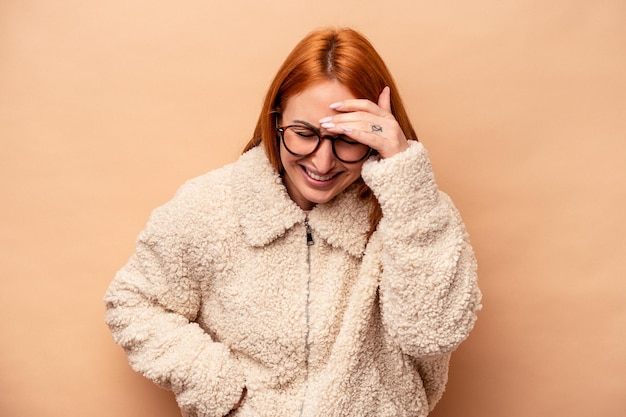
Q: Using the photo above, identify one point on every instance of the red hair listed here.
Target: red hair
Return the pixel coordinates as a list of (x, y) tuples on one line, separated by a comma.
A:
[(329, 54)]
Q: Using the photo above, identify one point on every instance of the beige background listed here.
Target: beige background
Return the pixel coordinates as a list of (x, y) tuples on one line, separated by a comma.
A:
[(107, 107)]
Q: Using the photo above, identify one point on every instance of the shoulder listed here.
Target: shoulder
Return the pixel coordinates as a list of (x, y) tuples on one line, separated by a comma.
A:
[(216, 188), (215, 197)]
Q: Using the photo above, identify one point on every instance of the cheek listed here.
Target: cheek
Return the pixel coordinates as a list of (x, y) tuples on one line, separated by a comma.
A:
[(286, 159), (355, 171), (283, 154)]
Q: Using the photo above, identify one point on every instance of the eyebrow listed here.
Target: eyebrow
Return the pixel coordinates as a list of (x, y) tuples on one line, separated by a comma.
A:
[(309, 125)]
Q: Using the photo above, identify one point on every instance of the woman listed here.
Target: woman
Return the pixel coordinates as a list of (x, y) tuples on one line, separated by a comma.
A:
[(321, 274)]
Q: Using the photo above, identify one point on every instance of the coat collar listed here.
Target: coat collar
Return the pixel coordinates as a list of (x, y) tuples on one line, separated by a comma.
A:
[(266, 211)]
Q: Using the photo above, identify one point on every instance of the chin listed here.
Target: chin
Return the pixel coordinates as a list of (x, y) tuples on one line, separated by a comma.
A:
[(316, 198)]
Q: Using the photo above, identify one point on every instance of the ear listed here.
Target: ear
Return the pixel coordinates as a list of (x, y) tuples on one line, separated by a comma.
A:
[(277, 139), (277, 118)]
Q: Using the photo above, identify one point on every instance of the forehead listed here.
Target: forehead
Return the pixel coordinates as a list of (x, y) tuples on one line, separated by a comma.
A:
[(313, 102)]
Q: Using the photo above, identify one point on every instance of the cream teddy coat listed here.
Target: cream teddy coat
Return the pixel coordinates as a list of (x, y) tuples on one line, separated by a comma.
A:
[(224, 292)]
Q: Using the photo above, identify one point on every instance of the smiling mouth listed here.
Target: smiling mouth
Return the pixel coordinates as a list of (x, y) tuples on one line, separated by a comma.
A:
[(319, 177)]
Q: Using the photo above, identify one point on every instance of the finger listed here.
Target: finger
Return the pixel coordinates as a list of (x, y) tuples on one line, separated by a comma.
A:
[(351, 117), (363, 105), (374, 127), (384, 100)]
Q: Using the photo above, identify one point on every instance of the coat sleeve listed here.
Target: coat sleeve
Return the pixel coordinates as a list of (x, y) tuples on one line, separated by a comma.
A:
[(428, 290), (151, 307)]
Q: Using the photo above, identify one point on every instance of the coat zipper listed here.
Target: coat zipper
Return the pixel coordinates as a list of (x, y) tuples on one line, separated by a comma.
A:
[(309, 237), (309, 243)]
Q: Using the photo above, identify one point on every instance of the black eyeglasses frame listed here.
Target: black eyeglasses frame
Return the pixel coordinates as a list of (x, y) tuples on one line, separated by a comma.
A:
[(320, 137)]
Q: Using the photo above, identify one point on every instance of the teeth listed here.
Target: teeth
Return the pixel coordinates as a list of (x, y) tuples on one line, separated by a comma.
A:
[(318, 177)]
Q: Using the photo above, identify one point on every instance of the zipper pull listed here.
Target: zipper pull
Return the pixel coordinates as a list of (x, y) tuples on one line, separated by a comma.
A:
[(309, 235)]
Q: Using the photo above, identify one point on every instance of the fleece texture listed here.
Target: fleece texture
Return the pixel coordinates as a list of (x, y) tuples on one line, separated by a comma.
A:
[(223, 292)]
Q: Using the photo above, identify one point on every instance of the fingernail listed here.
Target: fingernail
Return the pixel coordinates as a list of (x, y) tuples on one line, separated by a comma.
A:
[(346, 129), (326, 119), (328, 125), (336, 105)]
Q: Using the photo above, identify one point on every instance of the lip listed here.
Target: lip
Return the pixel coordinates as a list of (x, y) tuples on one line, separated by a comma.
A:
[(319, 183)]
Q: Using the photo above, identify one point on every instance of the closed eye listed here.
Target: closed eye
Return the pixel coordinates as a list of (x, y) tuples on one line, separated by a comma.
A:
[(347, 140), (303, 131)]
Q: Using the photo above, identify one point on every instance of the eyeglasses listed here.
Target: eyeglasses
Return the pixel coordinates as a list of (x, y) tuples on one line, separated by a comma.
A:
[(303, 140)]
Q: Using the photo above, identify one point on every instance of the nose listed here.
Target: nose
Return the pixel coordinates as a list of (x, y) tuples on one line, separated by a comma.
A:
[(324, 158)]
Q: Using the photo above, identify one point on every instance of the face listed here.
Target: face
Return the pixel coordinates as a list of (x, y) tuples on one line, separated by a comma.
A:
[(319, 177)]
